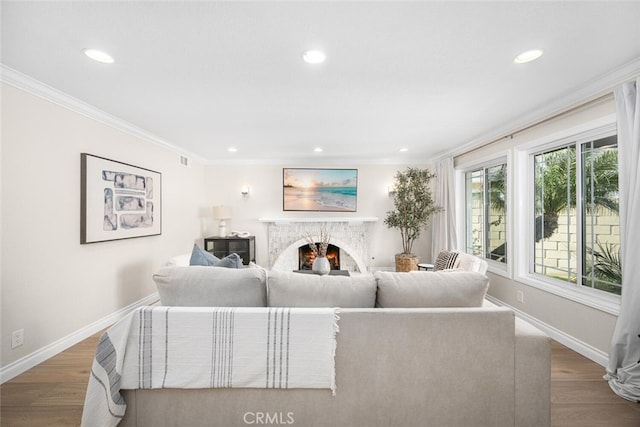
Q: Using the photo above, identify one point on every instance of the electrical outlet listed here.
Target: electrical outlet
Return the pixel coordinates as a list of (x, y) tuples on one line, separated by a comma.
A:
[(520, 296), (17, 338)]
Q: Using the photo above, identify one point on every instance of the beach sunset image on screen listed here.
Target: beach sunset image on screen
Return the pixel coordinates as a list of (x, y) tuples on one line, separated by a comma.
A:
[(332, 190)]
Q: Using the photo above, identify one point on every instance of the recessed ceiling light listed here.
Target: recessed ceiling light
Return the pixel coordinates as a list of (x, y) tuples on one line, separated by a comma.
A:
[(528, 56), (98, 55), (404, 150), (318, 150), (314, 56), (232, 149)]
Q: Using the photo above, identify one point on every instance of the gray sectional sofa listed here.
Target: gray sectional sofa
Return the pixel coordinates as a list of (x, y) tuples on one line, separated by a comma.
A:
[(413, 349)]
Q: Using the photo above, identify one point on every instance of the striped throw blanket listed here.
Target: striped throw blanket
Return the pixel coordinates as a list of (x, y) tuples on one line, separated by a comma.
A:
[(210, 347)]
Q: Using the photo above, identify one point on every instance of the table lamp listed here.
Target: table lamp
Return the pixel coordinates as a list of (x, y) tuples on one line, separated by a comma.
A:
[(222, 213)]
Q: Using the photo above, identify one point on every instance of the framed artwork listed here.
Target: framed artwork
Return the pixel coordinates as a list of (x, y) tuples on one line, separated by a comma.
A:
[(316, 190), (118, 200)]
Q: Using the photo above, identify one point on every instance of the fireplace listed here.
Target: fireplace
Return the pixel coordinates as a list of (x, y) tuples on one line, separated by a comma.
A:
[(306, 256), (351, 237)]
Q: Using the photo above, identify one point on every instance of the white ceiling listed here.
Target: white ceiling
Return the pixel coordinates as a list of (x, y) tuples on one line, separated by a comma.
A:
[(428, 76)]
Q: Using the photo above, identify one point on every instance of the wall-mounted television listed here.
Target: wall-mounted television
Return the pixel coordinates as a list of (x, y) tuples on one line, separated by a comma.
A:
[(319, 190)]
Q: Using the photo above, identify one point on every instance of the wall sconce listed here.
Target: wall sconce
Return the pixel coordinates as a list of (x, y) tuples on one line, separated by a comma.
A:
[(222, 213), (391, 190), (245, 190)]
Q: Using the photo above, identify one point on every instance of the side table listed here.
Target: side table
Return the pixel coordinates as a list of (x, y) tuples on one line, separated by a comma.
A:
[(425, 267)]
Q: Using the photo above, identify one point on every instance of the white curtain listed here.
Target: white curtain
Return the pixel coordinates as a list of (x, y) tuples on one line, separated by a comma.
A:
[(444, 223), (623, 371)]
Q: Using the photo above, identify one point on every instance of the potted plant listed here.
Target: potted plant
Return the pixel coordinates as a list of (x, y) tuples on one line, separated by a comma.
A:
[(414, 207)]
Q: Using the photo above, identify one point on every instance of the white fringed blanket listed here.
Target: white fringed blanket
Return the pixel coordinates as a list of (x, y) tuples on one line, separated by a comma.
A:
[(203, 347)]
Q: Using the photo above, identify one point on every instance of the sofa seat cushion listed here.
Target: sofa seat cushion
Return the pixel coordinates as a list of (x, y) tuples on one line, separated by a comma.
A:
[(288, 289), (202, 286), (431, 289)]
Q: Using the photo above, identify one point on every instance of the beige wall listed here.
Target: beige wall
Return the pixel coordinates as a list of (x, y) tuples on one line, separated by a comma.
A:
[(51, 285), (590, 326)]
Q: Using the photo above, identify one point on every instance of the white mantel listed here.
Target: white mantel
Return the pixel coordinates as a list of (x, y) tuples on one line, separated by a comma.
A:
[(350, 219), (351, 234)]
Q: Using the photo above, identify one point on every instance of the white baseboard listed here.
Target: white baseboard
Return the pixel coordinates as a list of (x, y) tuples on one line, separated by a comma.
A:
[(588, 351), (27, 362)]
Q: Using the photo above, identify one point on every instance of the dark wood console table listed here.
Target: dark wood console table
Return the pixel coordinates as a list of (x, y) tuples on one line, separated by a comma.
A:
[(220, 247)]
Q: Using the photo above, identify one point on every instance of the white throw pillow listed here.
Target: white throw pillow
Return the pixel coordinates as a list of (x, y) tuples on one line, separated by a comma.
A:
[(179, 260), (431, 289), (470, 263), (288, 289)]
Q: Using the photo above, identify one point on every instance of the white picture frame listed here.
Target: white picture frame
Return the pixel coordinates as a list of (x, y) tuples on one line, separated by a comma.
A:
[(118, 200)]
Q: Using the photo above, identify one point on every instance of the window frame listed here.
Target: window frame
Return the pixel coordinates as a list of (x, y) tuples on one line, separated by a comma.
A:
[(503, 157), (523, 215)]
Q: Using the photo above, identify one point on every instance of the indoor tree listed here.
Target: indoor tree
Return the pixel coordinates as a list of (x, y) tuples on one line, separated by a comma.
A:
[(413, 208)]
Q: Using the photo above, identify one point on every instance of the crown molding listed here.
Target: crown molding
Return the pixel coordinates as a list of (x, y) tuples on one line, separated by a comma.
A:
[(35, 87), (590, 91), (317, 161)]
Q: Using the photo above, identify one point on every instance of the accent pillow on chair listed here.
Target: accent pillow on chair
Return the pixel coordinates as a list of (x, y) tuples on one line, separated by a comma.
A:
[(449, 260), (424, 289), (446, 260), (470, 262), (200, 286)]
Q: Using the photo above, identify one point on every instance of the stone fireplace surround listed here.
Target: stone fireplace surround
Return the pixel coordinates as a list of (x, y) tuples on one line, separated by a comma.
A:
[(350, 234)]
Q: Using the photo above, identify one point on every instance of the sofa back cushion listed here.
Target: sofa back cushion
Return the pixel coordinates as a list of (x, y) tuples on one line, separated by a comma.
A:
[(288, 289), (200, 286), (431, 289)]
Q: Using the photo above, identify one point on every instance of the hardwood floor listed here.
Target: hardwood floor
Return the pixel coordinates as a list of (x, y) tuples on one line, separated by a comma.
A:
[(52, 393), (580, 397)]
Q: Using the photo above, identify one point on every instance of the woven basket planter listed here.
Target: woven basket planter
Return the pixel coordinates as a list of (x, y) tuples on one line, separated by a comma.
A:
[(406, 263)]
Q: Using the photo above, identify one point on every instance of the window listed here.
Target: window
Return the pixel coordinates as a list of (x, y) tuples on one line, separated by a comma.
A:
[(577, 227), (486, 212)]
